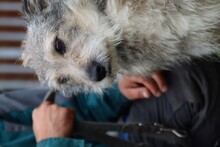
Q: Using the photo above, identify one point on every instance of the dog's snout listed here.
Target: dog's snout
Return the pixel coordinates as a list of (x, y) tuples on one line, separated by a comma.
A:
[(96, 71)]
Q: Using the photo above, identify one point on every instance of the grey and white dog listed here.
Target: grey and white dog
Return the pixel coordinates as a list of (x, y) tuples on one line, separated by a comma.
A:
[(82, 45)]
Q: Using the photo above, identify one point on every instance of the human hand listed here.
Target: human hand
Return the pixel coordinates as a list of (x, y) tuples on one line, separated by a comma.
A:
[(137, 87), (52, 121)]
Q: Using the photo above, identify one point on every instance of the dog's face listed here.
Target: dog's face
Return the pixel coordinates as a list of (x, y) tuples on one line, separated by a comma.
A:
[(70, 44)]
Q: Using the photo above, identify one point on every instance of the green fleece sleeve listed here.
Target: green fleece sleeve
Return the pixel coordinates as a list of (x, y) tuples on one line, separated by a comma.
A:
[(63, 142), (100, 107)]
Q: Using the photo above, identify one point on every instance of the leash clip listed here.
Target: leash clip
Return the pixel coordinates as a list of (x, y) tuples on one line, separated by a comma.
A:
[(177, 133)]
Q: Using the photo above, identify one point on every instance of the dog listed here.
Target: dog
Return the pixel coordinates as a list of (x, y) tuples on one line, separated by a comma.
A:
[(83, 45)]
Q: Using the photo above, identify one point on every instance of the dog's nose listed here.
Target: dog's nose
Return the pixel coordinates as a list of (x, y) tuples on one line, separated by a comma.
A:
[(96, 71)]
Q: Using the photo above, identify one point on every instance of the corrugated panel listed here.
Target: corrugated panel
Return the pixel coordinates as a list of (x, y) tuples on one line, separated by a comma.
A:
[(15, 36), (10, 53), (12, 31), (4, 21)]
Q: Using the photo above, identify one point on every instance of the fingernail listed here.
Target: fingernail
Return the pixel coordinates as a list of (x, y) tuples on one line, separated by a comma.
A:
[(164, 89), (145, 94), (158, 94)]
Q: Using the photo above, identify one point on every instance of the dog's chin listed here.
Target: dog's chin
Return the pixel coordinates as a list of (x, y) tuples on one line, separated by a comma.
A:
[(75, 90), (97, 88)]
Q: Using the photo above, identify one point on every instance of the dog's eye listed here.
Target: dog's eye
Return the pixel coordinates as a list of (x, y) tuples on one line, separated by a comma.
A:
[(59, 46)]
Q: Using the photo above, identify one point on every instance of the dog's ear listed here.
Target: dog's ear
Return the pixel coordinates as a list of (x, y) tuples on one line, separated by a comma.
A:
[(101, 4), (33, 7)]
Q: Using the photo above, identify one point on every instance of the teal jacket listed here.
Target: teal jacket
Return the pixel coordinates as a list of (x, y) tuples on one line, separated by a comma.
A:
[(15, 126)]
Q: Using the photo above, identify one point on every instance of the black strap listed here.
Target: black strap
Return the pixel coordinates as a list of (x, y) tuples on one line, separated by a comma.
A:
[(97, 132), (106, 139)]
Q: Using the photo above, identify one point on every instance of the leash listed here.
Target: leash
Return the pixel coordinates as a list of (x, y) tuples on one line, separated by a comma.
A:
[(98, 132), (94, 131)]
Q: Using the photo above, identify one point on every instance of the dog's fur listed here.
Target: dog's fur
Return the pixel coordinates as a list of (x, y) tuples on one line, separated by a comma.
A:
[(131, 37)]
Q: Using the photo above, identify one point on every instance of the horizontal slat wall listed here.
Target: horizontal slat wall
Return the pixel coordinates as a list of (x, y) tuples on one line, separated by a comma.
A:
[(12, 31), (12, 28)]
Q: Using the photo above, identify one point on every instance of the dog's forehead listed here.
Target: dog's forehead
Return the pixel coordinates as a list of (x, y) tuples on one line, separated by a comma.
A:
[(52, 17), (46, 24)]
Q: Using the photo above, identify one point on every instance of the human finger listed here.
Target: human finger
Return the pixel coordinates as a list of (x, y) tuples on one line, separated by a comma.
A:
[(50, 97), (160, 81), (139, 93), (150, 84)]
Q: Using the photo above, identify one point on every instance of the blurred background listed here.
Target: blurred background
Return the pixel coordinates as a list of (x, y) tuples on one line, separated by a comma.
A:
[(12, 31)]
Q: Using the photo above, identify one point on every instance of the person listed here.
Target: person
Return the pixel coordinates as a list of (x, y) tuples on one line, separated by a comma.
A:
[(17, 106), (131, 87), (190, 103)]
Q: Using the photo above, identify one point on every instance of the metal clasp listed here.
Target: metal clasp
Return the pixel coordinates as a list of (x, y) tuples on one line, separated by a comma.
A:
[(178, 133)]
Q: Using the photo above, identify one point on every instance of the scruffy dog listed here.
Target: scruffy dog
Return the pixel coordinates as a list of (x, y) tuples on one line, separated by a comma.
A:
[(81, 45)]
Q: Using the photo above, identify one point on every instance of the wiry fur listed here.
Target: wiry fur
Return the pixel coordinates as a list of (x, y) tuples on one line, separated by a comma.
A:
[(132, 37)]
